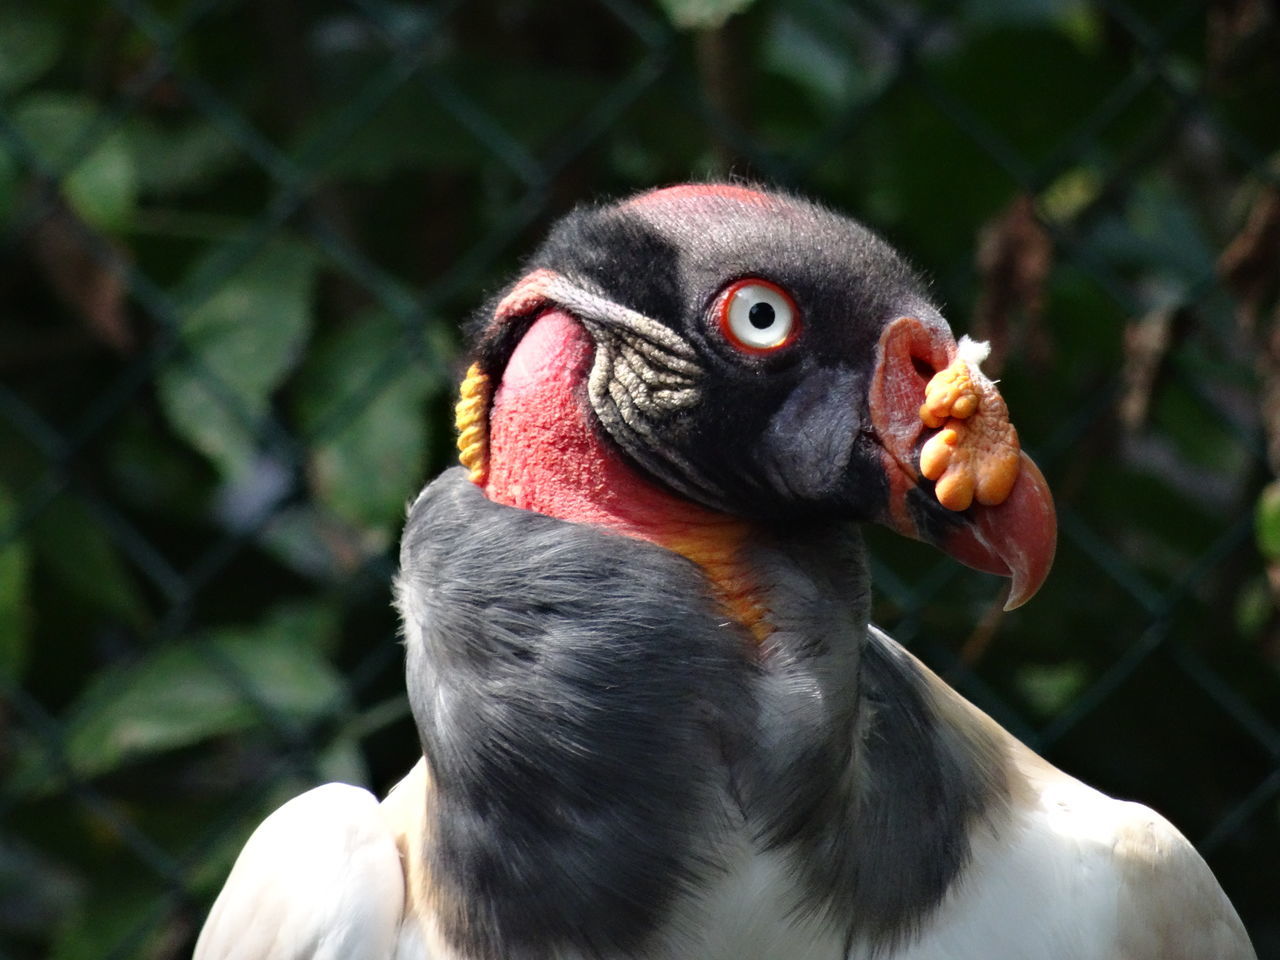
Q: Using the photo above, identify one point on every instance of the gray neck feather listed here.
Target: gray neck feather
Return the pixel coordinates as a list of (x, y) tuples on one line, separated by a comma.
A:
[(594, 727), (869, 787)]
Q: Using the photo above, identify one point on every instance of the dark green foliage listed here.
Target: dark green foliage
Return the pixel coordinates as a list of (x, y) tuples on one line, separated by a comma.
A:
[(236, 240)]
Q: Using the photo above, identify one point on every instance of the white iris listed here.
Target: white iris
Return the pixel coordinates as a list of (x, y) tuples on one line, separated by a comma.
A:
[(760, 316)]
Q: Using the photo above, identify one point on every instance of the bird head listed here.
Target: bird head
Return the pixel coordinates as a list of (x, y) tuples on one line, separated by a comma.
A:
[(706, 353)]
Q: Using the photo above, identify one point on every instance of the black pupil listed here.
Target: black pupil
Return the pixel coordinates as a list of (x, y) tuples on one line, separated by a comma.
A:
[(761, 315)]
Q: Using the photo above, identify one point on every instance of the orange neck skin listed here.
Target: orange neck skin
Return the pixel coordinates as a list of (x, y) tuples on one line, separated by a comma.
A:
[(545, 455)]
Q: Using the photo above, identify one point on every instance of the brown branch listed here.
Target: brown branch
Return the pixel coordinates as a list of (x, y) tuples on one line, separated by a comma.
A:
[(1015, 255), (717, 54)]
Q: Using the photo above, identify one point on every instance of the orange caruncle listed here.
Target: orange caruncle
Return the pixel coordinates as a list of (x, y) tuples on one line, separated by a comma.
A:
[(975, 455)]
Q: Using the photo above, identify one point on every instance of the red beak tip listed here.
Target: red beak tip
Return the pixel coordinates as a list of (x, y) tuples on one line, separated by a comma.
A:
[(1016, 538), (1026, 536)]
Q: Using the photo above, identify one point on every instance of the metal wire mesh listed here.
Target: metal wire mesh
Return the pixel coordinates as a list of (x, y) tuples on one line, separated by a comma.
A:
[(235, 240)]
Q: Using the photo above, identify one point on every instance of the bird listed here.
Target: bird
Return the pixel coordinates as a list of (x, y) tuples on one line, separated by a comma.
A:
[(656, 720)]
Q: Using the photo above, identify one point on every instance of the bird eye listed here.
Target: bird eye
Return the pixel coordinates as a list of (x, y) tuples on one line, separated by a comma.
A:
[(757, 316)]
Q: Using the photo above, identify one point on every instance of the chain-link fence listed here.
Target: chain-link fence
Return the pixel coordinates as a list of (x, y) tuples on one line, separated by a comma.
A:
[(235, 242)]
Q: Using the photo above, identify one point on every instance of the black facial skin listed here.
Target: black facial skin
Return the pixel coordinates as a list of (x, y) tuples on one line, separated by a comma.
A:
[(776, 436)]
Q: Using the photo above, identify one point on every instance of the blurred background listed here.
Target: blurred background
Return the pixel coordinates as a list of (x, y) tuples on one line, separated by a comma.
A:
[(237, 238)]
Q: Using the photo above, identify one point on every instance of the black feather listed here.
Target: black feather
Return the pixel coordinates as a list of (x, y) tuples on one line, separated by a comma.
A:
[(574, 691)]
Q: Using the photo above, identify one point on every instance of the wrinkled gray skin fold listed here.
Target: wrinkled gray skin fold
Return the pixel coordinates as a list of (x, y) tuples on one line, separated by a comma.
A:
[(597, 730)]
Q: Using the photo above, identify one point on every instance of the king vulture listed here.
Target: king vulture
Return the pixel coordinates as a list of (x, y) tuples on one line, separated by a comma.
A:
[(656, 721)]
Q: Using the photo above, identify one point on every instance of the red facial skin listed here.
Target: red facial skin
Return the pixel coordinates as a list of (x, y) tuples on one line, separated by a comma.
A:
[(546, 454), (684, 193)]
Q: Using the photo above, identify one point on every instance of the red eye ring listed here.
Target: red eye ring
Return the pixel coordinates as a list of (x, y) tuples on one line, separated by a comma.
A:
[(750, 329)]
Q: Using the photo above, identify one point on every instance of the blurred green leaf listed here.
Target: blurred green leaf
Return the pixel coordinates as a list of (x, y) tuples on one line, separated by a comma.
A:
[(1172, 236), (1069, 194), (177, 159), (817, 59), (242, 341), (15, 614), (1266, 521), (188, 691), (1001, 12), (343, 762), (8, 185), (96, 168), (111, 913), (1254, 607), (71, 546), (1084, 24), (157, 476), (314, 543), (997, 112), (362, 395), (1199, 432), (702, 14), (1050, 688), (29, 45), (37, 891), (412, 130), (1157, 237)]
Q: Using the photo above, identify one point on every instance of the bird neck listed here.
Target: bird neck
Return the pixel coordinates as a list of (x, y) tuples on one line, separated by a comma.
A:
[(547, 454)]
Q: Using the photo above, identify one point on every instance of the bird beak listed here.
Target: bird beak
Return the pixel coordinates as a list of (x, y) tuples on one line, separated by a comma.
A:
[(956, 476)]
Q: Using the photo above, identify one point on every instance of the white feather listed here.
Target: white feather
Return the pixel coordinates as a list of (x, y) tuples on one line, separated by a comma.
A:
[(973, 352), (1077, 875), (748, 914), (320, 879), (1071, 875)]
